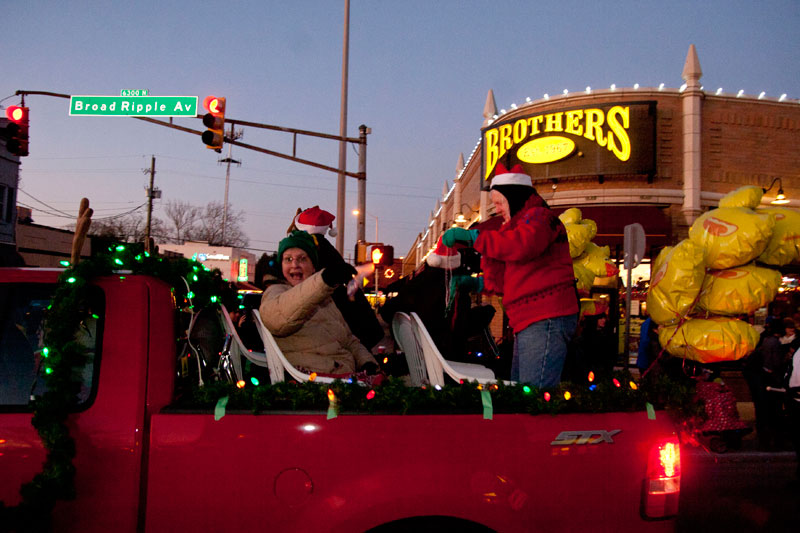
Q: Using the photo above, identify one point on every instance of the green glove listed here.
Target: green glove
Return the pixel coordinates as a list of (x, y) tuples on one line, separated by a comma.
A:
[(464, 236)]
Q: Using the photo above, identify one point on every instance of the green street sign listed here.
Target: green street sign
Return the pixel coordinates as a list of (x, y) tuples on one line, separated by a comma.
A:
[(133, 106)]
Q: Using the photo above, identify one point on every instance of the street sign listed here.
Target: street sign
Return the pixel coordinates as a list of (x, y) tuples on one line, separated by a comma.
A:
[(134, 92), (133, 106)]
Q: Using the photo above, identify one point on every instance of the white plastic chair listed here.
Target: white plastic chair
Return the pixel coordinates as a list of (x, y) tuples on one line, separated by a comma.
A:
[(275, 357), (406, 337), (238, 349), (437, 365)]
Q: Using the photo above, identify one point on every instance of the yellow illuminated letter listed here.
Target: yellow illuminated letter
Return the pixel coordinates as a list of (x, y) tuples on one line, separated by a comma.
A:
[(491, 151), (534, 124), (573, 120), (520, 130), (594, 123), (619, 130), (553, 122)]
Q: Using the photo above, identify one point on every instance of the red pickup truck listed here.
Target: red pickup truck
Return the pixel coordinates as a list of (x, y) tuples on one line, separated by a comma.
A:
[(144, 465)]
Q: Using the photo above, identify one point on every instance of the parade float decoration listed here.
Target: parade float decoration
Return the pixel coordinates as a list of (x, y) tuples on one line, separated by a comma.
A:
[(701, 288), (589, 261)]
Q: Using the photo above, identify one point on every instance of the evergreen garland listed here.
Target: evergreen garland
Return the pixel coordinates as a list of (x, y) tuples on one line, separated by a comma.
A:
[(193, 286)]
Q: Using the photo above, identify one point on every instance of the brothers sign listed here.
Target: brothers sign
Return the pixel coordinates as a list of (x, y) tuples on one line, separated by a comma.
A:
[(133, 106), (608, 138)]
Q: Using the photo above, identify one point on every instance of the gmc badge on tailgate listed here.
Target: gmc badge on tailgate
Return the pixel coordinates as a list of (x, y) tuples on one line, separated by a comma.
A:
[(565, 438)]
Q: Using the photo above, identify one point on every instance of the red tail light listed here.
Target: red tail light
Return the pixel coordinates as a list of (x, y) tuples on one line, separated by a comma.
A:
[(662, 487)]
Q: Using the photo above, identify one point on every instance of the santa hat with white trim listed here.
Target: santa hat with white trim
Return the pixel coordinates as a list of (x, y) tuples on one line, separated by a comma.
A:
[(315, 221), (444, 257), (515, 176)]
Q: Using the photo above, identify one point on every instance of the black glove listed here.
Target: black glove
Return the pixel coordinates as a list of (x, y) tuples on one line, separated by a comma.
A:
[(371, 368), (337, 274)]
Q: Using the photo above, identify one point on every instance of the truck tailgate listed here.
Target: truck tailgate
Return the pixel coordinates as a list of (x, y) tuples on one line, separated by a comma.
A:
[(303, 472)]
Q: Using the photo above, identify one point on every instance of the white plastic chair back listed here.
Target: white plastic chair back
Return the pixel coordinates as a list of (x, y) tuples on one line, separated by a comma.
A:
[(238, 349), (406, 338), (276, 358), (438, 365)]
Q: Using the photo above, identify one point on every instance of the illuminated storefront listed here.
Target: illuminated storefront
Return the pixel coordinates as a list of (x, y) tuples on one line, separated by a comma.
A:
[(656, 156), (235, 264)]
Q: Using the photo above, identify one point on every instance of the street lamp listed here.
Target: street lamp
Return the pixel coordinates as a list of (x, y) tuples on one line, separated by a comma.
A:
[(780, 198), (356, 212), (460, 218)]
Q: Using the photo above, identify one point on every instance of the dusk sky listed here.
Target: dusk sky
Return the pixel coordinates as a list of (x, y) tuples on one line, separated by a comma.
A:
[(419, 73)]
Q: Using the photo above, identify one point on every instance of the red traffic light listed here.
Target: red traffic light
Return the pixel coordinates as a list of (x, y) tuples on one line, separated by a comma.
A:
[(17, 114), (16, 132), (214, 105)]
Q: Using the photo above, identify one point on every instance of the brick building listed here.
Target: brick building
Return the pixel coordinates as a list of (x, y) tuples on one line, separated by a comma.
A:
[(656, 156)]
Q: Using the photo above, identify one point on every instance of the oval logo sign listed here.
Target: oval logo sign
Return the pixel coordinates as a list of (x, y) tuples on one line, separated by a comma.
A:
[(546, 149)]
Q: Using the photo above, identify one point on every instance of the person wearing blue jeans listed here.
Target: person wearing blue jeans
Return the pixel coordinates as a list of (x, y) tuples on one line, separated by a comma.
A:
[(525, 259)]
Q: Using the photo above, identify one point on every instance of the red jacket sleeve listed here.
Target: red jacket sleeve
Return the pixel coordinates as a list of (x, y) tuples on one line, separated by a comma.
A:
[(536, 229)]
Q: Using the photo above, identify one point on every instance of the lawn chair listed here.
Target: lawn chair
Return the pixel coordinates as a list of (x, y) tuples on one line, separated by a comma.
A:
[(406, 337), (239, 350), (437, 365), (275, 357)]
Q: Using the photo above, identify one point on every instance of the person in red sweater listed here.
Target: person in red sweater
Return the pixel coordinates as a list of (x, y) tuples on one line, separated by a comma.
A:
[(525, 259)]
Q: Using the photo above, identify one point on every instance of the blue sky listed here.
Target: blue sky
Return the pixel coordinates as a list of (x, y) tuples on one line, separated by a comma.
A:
[(419, 73)]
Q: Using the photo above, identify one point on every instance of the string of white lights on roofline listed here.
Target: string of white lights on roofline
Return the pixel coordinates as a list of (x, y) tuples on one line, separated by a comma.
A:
[(588, 90)]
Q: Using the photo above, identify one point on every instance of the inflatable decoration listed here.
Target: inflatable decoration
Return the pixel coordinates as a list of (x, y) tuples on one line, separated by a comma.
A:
[(709, 340), (784, 245), (731, 236), (748, 196), (675, 283), (738, 290), (596, 259)]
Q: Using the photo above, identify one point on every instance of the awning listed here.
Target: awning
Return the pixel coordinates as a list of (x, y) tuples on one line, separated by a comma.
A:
[(612, 219), (245, 286)]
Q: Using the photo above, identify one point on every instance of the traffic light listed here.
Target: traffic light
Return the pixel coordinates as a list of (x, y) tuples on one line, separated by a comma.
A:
[(382, 255), (214, 120), (16, 133)]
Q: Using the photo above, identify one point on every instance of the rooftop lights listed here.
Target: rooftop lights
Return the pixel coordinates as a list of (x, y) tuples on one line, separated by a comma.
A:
[(740, 93), (546, 96), (613, 86), (761, 95), (528, 99), (782, 98), (719, 91), (683, 88), (660, 86), (566, 92), (588, 90), (635, 86)]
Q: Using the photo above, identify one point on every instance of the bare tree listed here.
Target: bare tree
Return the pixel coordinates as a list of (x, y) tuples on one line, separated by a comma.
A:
[(126, 228), (182, 217), (209, 226)]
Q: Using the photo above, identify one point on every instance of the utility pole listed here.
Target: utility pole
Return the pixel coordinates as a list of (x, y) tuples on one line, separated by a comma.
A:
[(228, 160), (340, 199), (362, 185), (151, 193)]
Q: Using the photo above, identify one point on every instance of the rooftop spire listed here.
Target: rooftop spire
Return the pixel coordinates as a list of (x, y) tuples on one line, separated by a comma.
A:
[(691, 69), (489, 109)]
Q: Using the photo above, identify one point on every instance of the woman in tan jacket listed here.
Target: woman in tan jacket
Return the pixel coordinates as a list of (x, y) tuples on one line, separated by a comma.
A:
[(300, 313)]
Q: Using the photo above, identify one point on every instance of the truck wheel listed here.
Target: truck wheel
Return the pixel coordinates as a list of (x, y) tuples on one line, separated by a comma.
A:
[(431, 524)]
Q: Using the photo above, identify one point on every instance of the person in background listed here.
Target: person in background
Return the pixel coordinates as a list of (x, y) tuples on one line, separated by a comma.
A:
[(762, 369), (525, 258), (300, 313), (791, 332), (359, 315)]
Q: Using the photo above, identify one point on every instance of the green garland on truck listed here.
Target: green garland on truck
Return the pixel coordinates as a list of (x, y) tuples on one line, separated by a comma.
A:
[(193, 287), (64, 357)]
